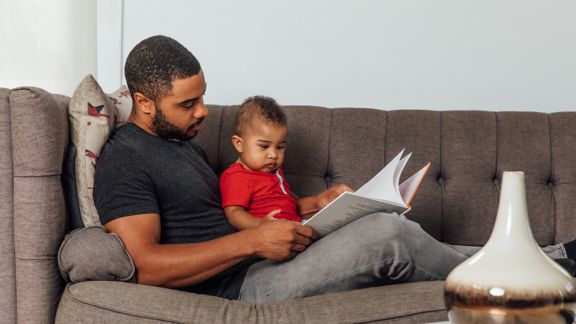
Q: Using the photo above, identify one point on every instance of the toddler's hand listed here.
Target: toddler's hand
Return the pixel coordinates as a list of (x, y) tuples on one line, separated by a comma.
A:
[(325, 197), (270, 216)]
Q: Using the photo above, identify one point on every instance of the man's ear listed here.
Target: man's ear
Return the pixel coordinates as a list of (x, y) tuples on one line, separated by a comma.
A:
[(238, 143), (143, 103)]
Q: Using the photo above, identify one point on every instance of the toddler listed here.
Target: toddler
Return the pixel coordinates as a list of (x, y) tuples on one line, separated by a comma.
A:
[(254, 189)]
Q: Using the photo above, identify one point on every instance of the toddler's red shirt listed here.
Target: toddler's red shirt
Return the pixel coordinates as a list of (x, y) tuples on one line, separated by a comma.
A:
[(259, 192)]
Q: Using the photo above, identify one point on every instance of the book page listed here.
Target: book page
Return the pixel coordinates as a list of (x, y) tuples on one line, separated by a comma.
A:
[(409, 187), (384, 185), (347, 208), (397, 174)]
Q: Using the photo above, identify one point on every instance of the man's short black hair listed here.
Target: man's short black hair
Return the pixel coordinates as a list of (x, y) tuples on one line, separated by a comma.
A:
[(265, 108), (154, 63)]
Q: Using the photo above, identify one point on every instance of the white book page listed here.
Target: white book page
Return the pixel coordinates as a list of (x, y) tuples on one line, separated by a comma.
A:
[(347, 208), (409, 187), (383, 186), (397, 174)]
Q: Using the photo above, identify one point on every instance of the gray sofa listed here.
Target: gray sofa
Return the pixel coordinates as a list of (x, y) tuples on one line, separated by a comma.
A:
[(457, 204)]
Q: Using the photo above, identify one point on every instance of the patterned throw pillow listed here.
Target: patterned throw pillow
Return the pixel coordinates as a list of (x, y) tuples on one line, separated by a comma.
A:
[(93, 115), (122, 104)]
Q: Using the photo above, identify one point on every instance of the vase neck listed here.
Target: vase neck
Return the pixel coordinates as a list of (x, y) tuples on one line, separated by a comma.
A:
[(512, 219)]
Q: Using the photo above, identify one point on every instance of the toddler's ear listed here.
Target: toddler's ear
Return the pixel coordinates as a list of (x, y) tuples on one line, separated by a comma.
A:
[(238, 143)]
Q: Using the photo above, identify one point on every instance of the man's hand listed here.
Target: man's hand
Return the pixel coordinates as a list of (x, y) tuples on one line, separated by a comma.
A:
[(281, 239)]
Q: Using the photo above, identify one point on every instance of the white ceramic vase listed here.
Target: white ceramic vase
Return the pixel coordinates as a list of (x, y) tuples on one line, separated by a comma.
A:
[(510, 280)]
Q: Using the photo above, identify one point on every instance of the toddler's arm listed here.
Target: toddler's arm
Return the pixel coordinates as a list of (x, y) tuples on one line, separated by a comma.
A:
[(241, 219), (308, 206)]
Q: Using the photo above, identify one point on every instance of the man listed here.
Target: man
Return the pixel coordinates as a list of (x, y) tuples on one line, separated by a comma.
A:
[(154, 188)]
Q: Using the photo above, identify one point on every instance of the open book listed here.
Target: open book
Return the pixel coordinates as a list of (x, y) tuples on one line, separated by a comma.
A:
[(382, 193)]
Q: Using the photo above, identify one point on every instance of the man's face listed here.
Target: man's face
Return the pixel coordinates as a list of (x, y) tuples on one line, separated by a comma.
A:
[(263, 146), (179, 115)]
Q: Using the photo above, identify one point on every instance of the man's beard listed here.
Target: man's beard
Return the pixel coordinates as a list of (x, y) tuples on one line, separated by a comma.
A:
[(166, 130)]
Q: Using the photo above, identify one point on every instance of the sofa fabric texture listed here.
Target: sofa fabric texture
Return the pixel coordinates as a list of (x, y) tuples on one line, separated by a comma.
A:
[(128, 303), (38, 135), (82, 246), (457, 203), (469, 150), (7, 266)]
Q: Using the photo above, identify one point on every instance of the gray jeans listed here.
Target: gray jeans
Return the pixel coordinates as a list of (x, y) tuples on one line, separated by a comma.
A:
[(375, 250)]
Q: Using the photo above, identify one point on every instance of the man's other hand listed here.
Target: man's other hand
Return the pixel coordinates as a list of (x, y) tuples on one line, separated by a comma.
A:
[(281, 240)]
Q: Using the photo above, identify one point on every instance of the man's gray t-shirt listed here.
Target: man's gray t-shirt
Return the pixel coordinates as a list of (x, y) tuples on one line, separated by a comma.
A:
[(138, 173)]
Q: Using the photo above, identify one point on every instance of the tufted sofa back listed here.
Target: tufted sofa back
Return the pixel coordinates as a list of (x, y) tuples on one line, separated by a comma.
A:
[(457, 202), (469, 150)]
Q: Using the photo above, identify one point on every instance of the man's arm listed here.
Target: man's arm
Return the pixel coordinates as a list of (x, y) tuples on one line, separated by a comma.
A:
[(180, 265)]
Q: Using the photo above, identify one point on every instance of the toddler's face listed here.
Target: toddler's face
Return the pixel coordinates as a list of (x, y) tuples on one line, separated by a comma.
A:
[(263, 146)]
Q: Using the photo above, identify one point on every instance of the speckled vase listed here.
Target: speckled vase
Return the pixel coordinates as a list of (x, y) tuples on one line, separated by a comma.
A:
[(510, 280)]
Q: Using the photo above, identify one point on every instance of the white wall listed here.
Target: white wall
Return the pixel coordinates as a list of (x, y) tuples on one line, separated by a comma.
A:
[(442, 54), (390, 54), (48, 44)]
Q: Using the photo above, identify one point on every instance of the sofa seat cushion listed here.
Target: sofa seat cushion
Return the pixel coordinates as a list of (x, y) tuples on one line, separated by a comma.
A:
[(120, 302)]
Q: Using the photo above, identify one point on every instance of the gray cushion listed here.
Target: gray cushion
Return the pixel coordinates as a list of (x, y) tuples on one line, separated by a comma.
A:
[(91, 253), (39, 137), (563, 177), (7, 265), (116, 302)]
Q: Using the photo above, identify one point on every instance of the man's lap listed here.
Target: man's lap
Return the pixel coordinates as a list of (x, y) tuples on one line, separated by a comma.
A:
[(350, 258)]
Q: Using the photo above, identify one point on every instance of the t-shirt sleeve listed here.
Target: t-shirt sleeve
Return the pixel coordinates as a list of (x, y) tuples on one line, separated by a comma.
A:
[(236, 189), (122, 187)]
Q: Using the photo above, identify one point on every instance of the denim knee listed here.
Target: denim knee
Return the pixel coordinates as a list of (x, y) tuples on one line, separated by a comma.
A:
[(386, 230), (389, 239), (390, 227)]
